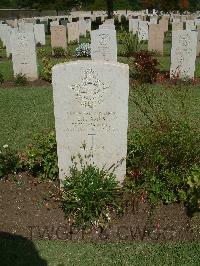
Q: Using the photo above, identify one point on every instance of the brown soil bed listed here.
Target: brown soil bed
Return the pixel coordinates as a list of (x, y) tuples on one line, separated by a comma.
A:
[(36, 83), (33, 210)]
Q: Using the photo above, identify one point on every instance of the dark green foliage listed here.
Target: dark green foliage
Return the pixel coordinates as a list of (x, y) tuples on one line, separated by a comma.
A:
[(124, 23), (20, 79), (129, 43), (9, 161), (58, 52), (41, 157), (88, 195), (46, 71), (1, 78)]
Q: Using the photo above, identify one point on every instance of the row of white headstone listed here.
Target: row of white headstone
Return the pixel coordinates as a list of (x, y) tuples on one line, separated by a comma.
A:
[(103, 47)]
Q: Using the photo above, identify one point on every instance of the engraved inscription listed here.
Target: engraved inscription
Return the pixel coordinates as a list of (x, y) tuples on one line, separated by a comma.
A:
[(81, 121)]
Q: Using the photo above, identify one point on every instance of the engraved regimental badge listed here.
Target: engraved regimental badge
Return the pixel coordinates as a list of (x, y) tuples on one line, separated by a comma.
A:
[(90, 92)]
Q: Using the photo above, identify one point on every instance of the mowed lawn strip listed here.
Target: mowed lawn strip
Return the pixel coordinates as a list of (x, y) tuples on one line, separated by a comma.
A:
[(24, 252)]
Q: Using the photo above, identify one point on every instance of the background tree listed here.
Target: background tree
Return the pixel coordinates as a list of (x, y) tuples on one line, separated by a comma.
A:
[(184, 4)]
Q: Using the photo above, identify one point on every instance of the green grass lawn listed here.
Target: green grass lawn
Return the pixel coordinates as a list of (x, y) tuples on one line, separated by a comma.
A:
[(24, 112), (60, 253)]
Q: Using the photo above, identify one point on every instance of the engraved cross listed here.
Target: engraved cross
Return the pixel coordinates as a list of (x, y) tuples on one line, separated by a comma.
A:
[(92, 135)]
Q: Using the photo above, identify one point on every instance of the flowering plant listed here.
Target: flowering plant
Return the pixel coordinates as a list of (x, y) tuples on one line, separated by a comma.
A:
[(83, 50)]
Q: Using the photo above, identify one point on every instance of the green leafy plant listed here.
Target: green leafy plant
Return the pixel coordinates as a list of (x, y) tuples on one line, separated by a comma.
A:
[(41, 157), (130, 43), (58, 52), (46, 71), (20, 79), (83, 50), (88, 195), (145, 66), (73, 42), (164, 157), (9, 161), (42, 52), (1, 78), (193, 191)]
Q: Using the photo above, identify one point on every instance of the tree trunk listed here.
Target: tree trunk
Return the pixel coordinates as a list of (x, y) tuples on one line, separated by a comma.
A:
[(110, 8)]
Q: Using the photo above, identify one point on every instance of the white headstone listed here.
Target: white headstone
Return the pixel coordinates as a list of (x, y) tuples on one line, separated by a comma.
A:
[(73, 32), (104, 45), (133, 25), (54, 23), (91, 114), (39, 32), (88, 25), (153, 20), (177, 26), (183, 54), (190, 25), (107, 26), (8, 41), (82, 27), (28, 27), (198, 40), (143, 31), (24, 55)]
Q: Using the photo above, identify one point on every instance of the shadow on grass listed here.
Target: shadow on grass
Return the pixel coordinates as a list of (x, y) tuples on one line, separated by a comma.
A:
[(18, 251)]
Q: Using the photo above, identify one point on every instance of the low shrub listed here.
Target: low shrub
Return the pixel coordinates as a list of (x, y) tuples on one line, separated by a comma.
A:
[(9, 161), (41, 157), (46, 71), (88, 195), (73, 42), (42, 52), (145, 66), (58, 52), (83, 50), (20, 79)]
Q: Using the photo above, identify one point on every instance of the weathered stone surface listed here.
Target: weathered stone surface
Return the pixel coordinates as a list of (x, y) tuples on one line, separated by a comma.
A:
[(190, 25), (177, 26), (107, 26), (39, 31), (198, 40), (153, 20), (133, 25), (54, 23), (156, 38), (164, 23), (24, 55), (82, 27), (143, 31), (73, 32), (58, 36), (183, 54), (88, 25), (91, 114), (104, 45)]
